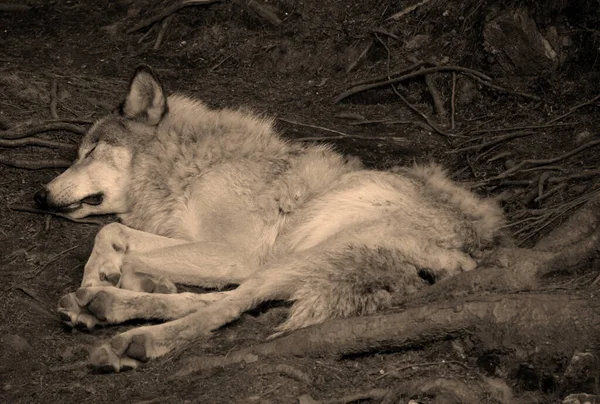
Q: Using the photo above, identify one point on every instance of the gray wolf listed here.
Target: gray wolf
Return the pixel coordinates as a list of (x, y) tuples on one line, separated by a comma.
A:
[(217, 197)]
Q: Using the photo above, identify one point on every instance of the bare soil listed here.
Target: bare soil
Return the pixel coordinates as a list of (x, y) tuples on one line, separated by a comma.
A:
[(230, 56)]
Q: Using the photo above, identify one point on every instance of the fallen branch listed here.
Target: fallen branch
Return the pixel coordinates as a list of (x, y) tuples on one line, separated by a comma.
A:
[(168, 11), (44, 212), (33, 141), (21, 131), (41, 268), (34, 165)]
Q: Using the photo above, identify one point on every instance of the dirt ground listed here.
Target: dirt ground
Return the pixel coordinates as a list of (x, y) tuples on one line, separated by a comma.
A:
[(230, 56)]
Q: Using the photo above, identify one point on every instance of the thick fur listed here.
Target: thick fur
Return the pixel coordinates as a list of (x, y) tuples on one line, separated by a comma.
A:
[(215, 197)]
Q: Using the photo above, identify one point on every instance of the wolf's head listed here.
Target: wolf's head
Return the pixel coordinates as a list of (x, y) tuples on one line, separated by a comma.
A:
[(98, 180)]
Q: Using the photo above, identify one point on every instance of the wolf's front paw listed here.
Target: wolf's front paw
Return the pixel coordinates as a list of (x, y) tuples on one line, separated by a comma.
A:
[(125, 351), (79, 310)]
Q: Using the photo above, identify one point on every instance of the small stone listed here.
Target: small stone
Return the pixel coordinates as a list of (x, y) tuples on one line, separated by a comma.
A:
[(250, 358), (583, 137), (508, 164)]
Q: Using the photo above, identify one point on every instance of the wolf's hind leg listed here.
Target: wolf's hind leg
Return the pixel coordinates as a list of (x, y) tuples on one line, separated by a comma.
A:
[(100, 305)]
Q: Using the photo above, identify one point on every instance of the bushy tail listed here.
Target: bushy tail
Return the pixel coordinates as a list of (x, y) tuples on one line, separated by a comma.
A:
[(356, 280)]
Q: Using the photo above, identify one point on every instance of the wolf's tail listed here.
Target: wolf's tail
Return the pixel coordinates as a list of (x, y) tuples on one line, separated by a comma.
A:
[(356, 280)]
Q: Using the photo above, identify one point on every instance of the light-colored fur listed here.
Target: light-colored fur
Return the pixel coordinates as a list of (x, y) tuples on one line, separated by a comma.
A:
[(216, 197)]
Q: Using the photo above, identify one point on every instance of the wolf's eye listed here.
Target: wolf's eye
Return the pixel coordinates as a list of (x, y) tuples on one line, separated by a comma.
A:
[(90, 152)]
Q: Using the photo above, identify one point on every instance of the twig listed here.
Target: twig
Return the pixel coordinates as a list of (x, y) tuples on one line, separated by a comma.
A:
[(33, 141), (215, 67), (389, 75), (425, 364), (435, 95), (493, 142), (44, 212), (550, 192), (24, 131), (352, 65), (507, 129), (422, 115), (41, 268), (422, 125), (575, 108), (163, 29), (565, 178), (540, 162), (168, 11), (340, 135), (386, 33), (34, 165), (407, 10), (54, 98), (453, 101), (503, 89)]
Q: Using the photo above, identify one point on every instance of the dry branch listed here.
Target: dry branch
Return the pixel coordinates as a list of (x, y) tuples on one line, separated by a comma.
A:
[(575, 108), (168, 11)]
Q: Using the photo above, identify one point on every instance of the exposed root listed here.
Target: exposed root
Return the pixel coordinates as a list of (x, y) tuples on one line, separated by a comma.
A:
[(168, 11), (33, 141), (373, 394), (26, 130), (340, 135), (34, 165)]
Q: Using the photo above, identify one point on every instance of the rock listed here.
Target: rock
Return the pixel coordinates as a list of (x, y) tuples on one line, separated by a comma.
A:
[(513, 39)]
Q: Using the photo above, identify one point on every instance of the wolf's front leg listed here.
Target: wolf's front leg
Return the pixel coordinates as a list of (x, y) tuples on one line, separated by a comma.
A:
[(112, 244)]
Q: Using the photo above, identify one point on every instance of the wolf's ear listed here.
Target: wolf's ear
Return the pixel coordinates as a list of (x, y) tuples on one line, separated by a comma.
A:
[(146, 100)]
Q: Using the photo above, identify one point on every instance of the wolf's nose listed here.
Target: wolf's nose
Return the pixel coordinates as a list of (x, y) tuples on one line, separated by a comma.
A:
[(41, 197)]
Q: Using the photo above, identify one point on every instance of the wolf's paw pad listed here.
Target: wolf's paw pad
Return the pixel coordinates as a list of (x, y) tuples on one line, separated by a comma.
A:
[(121, 353), (78, 315), (141, 282)]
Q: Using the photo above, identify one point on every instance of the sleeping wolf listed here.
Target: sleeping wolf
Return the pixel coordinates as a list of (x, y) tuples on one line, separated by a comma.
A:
[(216, 197)]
